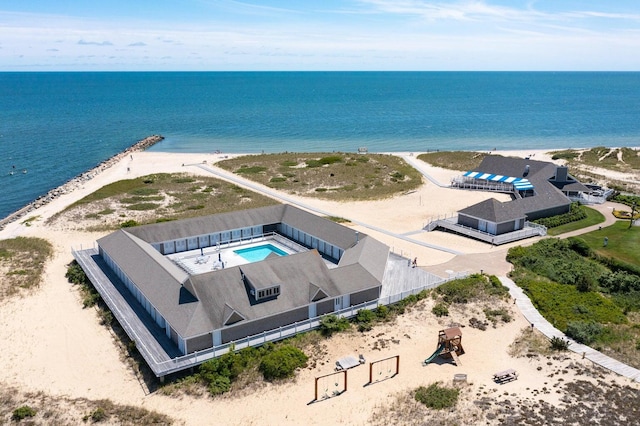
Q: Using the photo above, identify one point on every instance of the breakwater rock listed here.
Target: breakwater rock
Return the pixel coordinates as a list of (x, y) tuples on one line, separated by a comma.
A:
[(79, 180)]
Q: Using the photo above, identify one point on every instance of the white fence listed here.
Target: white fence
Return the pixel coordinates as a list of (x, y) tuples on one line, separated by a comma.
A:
[(198, 357)]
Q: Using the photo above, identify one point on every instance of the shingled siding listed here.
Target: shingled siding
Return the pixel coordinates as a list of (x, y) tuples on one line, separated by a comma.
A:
[(507, 227), (549, 212), (324, 307), (209, 239), (471, 222), (199, 343), (364, 296), (244, 329), (310, 241)]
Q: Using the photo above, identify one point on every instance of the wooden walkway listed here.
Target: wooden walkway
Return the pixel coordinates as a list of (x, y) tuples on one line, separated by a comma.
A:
[(400, 277), (156, 348), (533, 316)]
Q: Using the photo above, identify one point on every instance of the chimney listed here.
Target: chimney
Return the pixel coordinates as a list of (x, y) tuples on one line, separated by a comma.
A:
[(562, 173)]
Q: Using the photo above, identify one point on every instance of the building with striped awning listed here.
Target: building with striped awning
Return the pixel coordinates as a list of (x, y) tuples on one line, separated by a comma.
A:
[(538, 189), (520, 184)]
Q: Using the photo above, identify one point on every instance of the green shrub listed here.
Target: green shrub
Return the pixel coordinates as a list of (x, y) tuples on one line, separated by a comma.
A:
[(129, 224), (330, 324), (554, 259), (382, 312), (576, 213), (437, 397), (98, 415), (246, 170), (494, 314), (440, 310), (219, 373), (22, 413), (183, 180), (278, 179), (282, 362), (331, 159), (557, 302), (584, 332), (580, 246), (473, 287), (75, 274), (364, 319), (559, 344)]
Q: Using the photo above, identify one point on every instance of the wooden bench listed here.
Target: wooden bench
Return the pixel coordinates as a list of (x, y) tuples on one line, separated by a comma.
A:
[(505, 376)]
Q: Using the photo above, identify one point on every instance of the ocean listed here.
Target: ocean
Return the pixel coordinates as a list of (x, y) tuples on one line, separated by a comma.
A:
[(57, 125)]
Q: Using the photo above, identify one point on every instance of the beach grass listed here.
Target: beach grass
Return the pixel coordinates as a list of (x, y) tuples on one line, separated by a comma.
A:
[(334, 176), (618, 159), (594, 217), (22, 262), (453, 160), (162, 196)]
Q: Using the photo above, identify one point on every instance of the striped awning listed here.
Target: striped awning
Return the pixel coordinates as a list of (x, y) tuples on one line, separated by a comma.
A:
[(520, 184)]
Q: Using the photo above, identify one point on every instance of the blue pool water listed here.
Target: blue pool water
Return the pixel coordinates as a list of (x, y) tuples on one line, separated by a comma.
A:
[(258, 253)]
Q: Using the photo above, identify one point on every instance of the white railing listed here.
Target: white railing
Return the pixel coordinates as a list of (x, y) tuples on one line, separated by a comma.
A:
[(463, 182), (283, 332), (530, 229)]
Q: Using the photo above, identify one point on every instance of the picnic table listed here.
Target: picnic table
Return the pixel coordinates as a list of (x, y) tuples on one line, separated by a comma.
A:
[(505, 376), (347, 362)]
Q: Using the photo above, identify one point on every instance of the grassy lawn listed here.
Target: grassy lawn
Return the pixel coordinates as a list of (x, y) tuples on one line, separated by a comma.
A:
[(594, 217), (453, 160), (333, 176), (623, 244)]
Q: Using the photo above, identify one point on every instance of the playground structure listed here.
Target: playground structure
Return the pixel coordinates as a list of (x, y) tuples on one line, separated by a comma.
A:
[(384, 369), (449, 343), (335, 384), (330, 385)]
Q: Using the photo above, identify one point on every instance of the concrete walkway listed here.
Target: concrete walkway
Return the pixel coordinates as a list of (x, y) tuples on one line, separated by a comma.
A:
[(533, 316)]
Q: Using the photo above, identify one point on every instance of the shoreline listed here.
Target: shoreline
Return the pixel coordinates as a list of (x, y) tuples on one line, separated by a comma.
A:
[(147, 142), (78, 180)]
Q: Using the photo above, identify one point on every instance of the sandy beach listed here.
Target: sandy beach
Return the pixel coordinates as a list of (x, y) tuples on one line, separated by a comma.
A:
[(54, 345)]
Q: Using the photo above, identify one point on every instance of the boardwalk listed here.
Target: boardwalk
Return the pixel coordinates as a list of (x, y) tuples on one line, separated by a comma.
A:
[(155, 347), (400, 277), (534, 317)]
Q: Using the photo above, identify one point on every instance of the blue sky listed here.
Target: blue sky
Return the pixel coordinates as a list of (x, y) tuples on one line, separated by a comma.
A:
[(212, 35)]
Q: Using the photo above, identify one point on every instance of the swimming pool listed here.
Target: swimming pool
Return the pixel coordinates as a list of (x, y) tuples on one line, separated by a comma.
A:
[(258, 253)]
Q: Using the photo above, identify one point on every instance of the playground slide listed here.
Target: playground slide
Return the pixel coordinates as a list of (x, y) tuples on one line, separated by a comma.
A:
[(435, 354)]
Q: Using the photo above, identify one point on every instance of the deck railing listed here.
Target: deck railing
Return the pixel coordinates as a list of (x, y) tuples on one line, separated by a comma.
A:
[(283, 332)]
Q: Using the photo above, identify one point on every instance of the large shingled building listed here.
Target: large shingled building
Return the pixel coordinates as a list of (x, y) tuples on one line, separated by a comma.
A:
[(328, 267), (538, 189)]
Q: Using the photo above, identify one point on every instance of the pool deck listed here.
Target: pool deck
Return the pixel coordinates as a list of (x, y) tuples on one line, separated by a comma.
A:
[(197, 262)]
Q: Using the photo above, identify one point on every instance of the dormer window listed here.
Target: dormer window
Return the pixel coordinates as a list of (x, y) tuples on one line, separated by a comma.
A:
[(268, 293)]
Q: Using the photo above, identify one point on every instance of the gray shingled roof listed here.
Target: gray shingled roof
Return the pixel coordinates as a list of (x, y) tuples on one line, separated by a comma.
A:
[(546, 197), (325, 229), (293, 273), (495, 211), (199, 304), (173, 230)]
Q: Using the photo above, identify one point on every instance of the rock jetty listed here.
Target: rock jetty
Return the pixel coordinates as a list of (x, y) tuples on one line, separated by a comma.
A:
[(79, 180)]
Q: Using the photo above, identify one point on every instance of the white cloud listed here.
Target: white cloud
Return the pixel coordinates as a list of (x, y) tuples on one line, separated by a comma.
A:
[(95, 43)]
